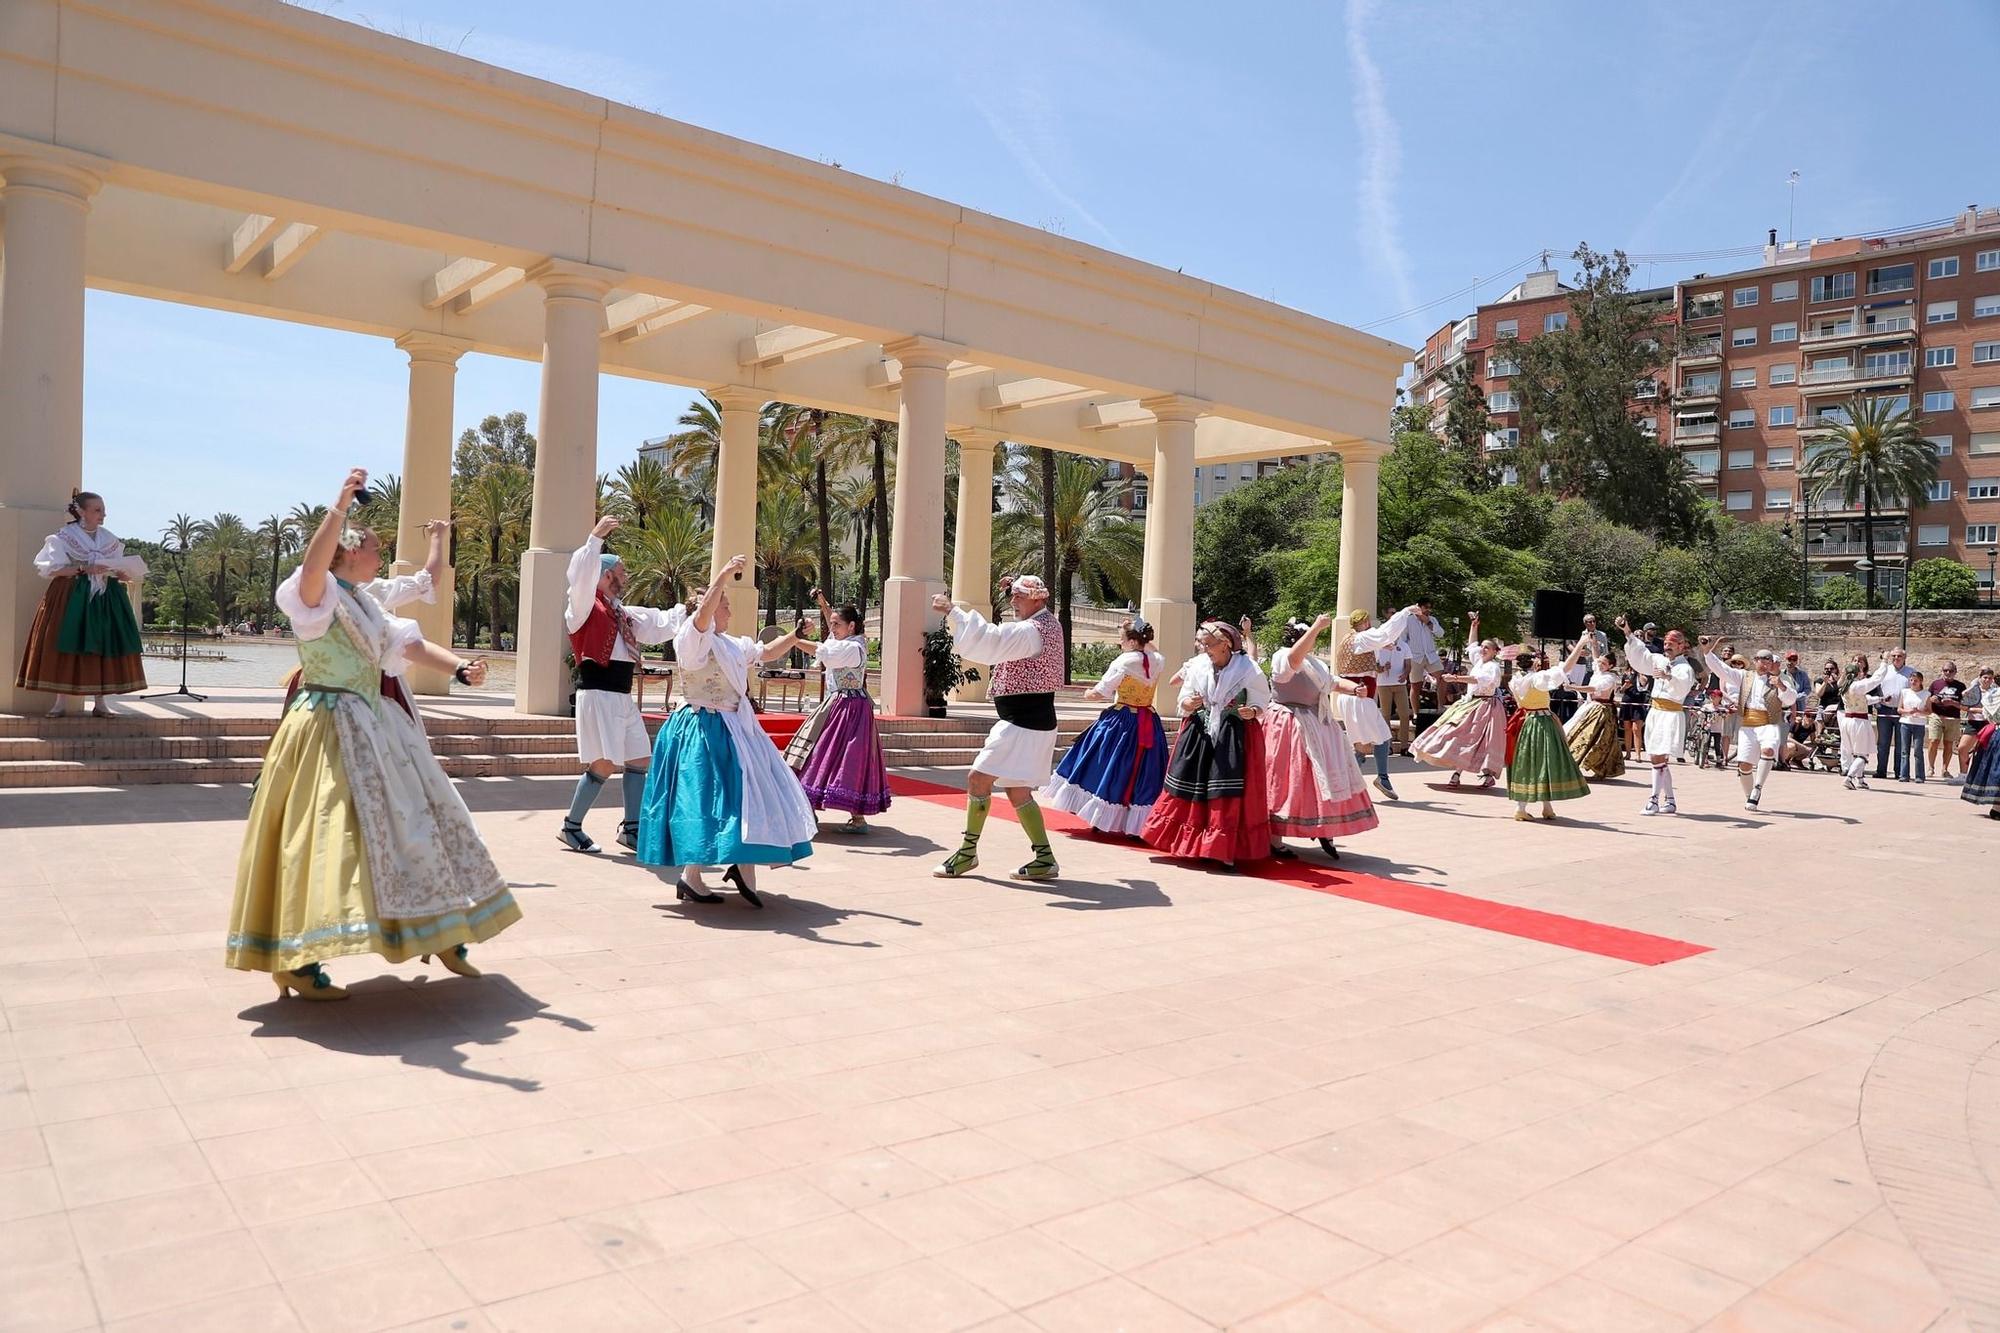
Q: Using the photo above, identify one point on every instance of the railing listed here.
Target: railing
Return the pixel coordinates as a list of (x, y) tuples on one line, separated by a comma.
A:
[(1883, 546), (1697, 434), (1701, 351), (1844, 374), (1891, 327), (1892, 285)]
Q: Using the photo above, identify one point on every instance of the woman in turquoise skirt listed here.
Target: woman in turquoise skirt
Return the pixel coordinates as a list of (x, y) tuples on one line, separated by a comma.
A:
[(719, 792)]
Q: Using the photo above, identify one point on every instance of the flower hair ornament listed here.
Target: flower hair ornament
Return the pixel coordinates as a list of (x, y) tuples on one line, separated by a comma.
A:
[(351, 537)]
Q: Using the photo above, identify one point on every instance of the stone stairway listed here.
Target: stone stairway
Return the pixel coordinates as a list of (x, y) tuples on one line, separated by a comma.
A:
[(90, 752), (953, 742)]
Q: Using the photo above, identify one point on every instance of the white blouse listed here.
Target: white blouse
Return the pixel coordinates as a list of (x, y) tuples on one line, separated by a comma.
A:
[(313, 622), (1485, 675), (1140, 666), (1603, 685)]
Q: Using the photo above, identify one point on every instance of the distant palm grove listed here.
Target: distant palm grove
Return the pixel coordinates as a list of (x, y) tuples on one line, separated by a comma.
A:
[(825, 495)]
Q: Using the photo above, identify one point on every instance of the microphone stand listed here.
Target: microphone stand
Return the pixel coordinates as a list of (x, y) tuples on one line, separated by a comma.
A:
[(180, 576)]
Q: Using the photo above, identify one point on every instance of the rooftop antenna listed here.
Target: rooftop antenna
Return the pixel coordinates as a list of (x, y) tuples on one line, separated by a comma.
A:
[(1791, 208)]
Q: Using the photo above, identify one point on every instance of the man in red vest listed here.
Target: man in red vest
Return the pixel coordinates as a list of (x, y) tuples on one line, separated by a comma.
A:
[(605, 636), (1020, 751)]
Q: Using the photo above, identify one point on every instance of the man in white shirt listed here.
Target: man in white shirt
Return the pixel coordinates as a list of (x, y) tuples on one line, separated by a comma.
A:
[(1599, 642), (1892, 676), (1420, 644), (1395, 690), (1673, 678)]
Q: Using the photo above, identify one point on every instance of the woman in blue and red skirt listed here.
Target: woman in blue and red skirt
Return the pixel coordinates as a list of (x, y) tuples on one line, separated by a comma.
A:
[(1113, 774), (1214, 806)]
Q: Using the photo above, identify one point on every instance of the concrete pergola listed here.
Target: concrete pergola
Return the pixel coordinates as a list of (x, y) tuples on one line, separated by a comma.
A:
[(245, 155)]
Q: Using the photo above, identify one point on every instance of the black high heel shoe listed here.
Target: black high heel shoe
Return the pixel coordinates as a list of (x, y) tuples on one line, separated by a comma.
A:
[(1326, 845), (687, 893), (734, 875)]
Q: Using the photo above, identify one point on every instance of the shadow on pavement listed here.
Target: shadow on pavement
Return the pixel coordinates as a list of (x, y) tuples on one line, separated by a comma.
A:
[(421, 1022), (801, 918)]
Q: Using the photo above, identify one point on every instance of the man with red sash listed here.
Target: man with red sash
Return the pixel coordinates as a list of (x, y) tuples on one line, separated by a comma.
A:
[(1020, 751), (605, 636)]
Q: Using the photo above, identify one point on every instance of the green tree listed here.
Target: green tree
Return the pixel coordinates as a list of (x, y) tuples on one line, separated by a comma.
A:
[(642, 489), (1672, 591), (182, 533), (1467, 422), (1097, 544), (280, 540), (784, 546), (1580, 431), (691, 452), (492, 513), (668, 556), (1942, 585), (1875, 456), (383, 513), (872, 440), (225, 549), (1586, 553), (1239, 535), (1842, 592), (1754, 566), (497, 441)]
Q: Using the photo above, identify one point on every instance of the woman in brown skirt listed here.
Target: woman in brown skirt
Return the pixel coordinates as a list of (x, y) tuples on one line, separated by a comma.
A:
[(85, 639)]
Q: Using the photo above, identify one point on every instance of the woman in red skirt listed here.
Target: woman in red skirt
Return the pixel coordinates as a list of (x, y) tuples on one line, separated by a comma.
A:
[(1215, 807)]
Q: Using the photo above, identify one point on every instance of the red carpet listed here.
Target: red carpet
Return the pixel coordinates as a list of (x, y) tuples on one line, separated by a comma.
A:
[(780, 727), (1567, 932)]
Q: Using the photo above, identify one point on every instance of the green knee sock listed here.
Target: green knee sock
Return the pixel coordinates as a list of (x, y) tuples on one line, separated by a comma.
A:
[(1030, 816), (975, 816)]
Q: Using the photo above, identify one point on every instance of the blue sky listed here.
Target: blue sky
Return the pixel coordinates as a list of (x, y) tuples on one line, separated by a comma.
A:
[(1353, 158)]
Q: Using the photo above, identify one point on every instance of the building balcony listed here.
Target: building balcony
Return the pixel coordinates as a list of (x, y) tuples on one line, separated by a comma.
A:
[(1893, 328), (1854, 550), (1846, 379), (1709, 434), (1696, 397), (1708, 352)]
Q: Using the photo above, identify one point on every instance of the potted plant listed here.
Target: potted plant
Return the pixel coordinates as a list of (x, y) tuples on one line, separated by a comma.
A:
[(942, 673)]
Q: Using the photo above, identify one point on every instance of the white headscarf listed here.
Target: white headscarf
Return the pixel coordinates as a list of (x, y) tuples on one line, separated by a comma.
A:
[(1219, 686)]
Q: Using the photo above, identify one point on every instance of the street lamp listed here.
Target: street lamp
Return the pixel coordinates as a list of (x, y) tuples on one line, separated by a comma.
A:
[(1992, 558)]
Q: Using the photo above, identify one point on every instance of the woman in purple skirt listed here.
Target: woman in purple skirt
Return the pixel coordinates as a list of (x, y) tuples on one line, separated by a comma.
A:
[(837, 752)]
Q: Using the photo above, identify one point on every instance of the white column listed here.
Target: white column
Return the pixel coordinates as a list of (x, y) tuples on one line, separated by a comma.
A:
[(972, 548), (565, 474), (41, 386), (427, 444), (736, 497), (1167, 586), (1360, 468), (916, 538)]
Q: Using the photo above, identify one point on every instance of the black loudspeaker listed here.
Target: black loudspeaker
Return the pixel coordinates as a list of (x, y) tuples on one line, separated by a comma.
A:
[(1558, 615)]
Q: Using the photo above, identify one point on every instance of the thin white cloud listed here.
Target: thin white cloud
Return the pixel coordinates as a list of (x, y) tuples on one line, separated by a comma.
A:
[(1378, 229), (1040, 123)]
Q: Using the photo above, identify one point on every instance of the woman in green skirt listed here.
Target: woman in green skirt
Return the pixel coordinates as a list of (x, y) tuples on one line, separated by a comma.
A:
[(1542, 769), (85, 639)]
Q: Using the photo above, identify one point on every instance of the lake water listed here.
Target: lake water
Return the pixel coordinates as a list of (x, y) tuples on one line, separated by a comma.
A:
[(258, 662)]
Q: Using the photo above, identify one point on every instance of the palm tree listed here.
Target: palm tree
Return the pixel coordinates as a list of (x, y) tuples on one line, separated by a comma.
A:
[(1048, 507), (668, 557), (493, 510), (690, 453), (854, 499), (642, 489), (225, 545), (182, 533), (383, 513), (1096, 543), (305, 520), (280, 540), (1875, 455), (784, 545)]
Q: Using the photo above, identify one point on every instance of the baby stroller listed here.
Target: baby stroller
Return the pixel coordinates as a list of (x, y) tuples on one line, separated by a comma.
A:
[(1824, 749)]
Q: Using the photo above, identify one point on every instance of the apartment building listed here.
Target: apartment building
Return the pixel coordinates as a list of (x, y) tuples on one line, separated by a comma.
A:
[(1769, 356)]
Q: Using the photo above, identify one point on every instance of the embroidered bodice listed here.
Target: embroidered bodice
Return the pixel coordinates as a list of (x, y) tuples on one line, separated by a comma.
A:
[(707, 686), (337, 660), (1136, 693)]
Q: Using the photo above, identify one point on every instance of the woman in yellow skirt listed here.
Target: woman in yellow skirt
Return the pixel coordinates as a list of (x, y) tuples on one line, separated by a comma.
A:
[(358, 843)]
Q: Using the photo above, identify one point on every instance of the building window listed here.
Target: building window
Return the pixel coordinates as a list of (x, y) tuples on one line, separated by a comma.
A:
[(1646, 389), (1649, 427), (1503, 439), (1937, 491), (1892, 278), (1559, 320), (1987, 262), (1738, 501), (1940, 312), (1985, 307), (1705, 462), (1743, 338), (1743, 296), (1833, 287), (1741, 460), (1875, 364), (1934, 534), (1982, 490), (1940, 400), (1785, 291), (1941, 443), (1984, 442), (1778, 459), (1981, 353), (1981, 534), (1946, 267), (1499, 368), (1707, 382), (1895, 403), (1782, 416), (1785, 373), (1502, 401), (1741, 419), (1937, 358), (1745, 378), (1507, 328), (1777, 500), (1784, 333), (1986, 397)]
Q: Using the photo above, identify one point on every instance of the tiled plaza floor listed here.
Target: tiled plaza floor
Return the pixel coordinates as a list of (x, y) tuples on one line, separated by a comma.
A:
[(1146, 1098)]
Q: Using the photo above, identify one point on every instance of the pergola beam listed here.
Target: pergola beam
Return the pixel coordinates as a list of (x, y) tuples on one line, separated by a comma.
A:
[(777, 347), (456, 277), (1013, 395), (488, 289), (646, 328), (251, 236), (289, 246)]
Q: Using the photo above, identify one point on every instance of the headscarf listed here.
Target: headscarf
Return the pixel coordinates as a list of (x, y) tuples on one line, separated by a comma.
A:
[(606, 562), (1220, 685), (1355, 617)]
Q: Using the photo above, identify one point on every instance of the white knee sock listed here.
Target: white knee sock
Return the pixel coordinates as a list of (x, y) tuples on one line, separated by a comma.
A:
[(1763, 773), (1743, 776), (1663, 778), (1521, 807)]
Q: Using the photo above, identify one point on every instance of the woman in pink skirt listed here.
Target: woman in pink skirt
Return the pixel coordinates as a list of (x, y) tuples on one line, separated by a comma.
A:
[(1471, 735), (1311, 776)]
